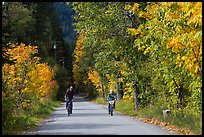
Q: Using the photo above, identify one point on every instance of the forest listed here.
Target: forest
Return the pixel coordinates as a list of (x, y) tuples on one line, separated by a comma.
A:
[(150, 53)]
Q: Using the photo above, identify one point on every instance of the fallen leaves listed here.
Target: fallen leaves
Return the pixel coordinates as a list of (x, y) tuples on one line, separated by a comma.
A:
[(167, 126)]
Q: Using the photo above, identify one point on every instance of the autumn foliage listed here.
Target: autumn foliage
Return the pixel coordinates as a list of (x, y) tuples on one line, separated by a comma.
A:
[(180, 24), (172, 34), (78, 54), (26, 80)]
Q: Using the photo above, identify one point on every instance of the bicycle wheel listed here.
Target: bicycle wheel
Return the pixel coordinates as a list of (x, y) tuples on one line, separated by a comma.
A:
[(111, 110), (68, 109)]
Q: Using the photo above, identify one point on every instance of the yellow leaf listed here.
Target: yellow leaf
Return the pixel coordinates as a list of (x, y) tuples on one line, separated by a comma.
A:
[(184, 58), (133, 31), (135, 7), (179, 64), (147, 50)]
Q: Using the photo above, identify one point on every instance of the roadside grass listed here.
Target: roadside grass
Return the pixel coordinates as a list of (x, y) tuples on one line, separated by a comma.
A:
[(183, 123), (180, 123), (28, 120)]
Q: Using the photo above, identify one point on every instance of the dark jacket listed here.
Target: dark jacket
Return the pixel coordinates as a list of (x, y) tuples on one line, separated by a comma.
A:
[(69, 94)]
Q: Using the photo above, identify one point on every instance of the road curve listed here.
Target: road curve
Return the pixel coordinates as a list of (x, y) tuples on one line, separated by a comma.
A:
[(93, 119)]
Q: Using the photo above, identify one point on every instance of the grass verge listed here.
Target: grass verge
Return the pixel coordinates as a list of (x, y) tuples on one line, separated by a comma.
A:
[(29, 120)]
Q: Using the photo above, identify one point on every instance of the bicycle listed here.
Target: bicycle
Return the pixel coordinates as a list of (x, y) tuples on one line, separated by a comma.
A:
[(69, 108), (111, 102)]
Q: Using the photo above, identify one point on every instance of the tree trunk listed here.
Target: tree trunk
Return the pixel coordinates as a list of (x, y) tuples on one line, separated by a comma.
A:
[(117, 91), (103, 95), (135, 95)]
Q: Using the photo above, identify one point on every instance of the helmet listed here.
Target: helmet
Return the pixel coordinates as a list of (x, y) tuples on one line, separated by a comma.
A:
[(111, 91)]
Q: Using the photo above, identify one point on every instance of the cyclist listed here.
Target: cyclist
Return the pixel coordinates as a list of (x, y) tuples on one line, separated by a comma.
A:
[(111, 96), (69, 97)]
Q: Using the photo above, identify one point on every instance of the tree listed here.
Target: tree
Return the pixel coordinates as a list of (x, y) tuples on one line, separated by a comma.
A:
[(104, 35), (171, 35)]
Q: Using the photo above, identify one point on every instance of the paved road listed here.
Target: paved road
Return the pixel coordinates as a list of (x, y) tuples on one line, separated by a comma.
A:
[(93, 119)]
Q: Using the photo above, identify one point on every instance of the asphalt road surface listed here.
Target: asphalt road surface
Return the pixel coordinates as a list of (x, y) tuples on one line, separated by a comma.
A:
[(88, 118)]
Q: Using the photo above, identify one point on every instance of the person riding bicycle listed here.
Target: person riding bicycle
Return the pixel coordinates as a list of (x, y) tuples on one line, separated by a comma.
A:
[(69, 97), (111, 96)]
